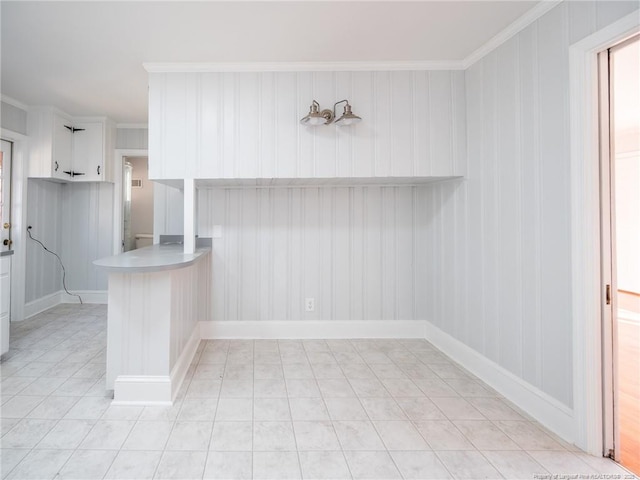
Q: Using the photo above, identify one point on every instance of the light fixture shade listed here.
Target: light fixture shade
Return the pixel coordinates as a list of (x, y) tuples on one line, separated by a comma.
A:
[(348, 117), (313, 120)]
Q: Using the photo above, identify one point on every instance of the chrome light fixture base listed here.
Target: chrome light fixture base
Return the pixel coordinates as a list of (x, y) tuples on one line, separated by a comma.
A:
[(318, 117)]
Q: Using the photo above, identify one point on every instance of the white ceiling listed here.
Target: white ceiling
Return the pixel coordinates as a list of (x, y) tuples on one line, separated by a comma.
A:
[(86, 57)]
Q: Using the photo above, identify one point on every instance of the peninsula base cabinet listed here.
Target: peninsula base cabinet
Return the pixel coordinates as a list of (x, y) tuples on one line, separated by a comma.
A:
[(70, 149)]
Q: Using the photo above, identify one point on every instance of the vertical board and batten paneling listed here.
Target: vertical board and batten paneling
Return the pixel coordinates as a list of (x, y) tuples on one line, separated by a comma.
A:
[(43, 272), (87, 222), (352, 249), (132, 138), (246, 125), (500, 271), (75, 221), (13, 118), (168, 211)]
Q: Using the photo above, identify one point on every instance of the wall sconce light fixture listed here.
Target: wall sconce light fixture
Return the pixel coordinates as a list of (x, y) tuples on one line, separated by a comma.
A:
[(325, 117)]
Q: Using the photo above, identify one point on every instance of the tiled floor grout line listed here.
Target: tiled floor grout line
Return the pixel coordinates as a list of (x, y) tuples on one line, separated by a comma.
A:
[(253, 407), (286, 389), (57, 421), (413, 423), (362, 406), (219, 396), (324, 402), (357, 397), (404, 356)]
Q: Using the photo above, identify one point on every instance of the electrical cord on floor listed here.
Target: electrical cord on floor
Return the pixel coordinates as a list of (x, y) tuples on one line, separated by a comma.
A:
[(64, 272)]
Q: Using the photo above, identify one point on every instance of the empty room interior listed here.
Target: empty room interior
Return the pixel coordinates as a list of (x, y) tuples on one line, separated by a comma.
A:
[(320, 239)]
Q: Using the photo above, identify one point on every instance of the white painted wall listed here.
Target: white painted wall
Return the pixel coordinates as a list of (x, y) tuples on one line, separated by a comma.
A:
[(358, 251), (13, 118), (132, 138), (246, 125), (500, 243), (87, 221), (75, 221), (168, 211), (44, 204)]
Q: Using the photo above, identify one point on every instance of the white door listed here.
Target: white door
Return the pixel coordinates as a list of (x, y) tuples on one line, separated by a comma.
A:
[(620, 122), (87, 152), (5, 245)]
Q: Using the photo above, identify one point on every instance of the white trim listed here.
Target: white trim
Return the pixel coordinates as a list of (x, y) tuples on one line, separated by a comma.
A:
[(315, 329), (19, 184), (189, 216), (551, 413), (14, 103), (142, 390), (179, 370), (156, 389), (135, 126), (186, 67), (520, 24), (88, 296), (41, 304), (585, 231), (54, 299)]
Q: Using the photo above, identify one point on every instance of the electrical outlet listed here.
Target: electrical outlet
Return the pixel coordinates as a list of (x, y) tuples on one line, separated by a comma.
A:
[(217, 231), (309, 304)]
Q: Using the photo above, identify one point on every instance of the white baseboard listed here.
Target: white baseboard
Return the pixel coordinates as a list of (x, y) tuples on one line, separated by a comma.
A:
[(156, 389), (88, 296), (179, 370), (554, 415), (49, 301), (142, 390), (41, 304), (131, 390), (312, 329)]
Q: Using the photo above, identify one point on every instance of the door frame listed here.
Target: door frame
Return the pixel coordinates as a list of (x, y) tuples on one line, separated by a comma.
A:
[(608, 269), (586, 245), (19, 156), (118, 163)]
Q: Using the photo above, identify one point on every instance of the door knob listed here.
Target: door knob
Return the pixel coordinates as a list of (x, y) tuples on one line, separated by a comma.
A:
[(7, 242), (6, 225)]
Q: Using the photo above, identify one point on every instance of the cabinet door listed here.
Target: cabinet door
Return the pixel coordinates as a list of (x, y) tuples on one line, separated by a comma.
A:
[(62, 148), (88, 152)]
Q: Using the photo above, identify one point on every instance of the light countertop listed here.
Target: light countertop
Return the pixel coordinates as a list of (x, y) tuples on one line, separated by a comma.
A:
[(155, 258)]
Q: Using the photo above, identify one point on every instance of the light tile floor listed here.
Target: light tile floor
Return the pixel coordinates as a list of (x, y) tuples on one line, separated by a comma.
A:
[(278, 409)]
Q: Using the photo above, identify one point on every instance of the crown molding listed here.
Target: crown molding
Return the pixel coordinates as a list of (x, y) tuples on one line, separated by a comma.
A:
[(520, 24), (132, 125), (13, 102), (300, 67)]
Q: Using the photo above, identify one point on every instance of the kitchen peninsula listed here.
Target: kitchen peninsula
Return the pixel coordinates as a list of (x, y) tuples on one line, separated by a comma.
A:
[(157, 297)]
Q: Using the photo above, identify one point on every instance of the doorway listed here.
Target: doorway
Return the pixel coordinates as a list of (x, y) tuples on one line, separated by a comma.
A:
[(137, 203), (620, 125), (6, 244)]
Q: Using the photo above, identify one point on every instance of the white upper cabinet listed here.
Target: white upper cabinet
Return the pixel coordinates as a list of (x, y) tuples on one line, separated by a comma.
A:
[(88, 151), (70, 149), (226, 126)]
